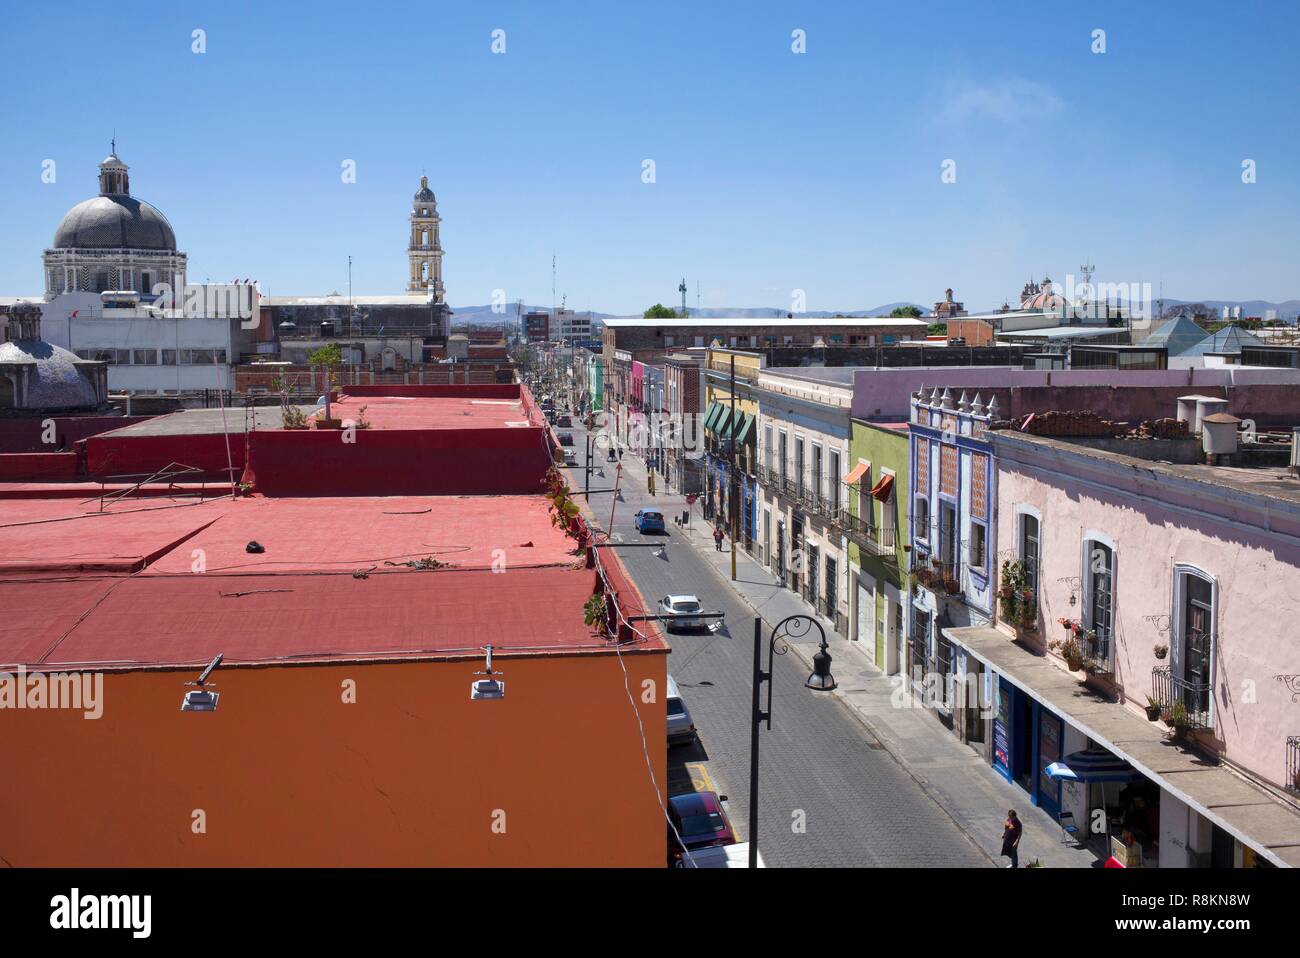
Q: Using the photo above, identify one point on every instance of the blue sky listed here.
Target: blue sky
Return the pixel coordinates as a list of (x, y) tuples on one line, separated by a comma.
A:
[(775, 171)]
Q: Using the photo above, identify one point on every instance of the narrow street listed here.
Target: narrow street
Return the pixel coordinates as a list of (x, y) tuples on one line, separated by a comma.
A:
[(830, 795)]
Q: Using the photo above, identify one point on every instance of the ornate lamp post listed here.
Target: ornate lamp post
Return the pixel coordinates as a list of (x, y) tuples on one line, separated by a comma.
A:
[(821, 680)]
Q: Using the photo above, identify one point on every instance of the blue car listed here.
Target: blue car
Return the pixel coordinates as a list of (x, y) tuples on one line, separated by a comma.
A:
[(647, 520)]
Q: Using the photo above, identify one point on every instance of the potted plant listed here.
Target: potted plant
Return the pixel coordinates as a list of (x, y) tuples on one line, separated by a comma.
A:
[(951, 586), (328, 357), (1179, 722), (1070, 651), (1161, 650), (1153, 709)]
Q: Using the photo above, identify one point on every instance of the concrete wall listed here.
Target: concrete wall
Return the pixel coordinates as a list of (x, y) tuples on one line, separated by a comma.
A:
[(287, 773)]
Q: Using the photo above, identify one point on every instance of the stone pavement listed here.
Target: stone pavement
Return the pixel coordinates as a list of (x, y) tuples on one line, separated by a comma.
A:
[(963, 784)]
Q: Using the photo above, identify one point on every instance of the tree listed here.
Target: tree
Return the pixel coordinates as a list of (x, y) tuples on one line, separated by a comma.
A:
[(329, 357), (905, 312), (660, 311)]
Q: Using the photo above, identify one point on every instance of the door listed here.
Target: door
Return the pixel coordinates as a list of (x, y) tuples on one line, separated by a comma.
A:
[(1196, 646), (866, 619)]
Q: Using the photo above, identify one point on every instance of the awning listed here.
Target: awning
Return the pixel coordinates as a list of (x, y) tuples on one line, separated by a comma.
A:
[(721, 425), (1246, 811), (711, 416), (881, 490), (1093, 765), (856, 473), (746, 431)]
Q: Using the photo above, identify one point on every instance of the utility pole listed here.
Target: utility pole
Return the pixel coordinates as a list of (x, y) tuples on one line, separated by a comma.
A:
[(735, 478)]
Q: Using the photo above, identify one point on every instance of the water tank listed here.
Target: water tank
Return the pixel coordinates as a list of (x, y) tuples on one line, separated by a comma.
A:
[(1219, 435)]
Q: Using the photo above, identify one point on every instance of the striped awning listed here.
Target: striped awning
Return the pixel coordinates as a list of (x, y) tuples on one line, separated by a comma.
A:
[(745, 433), (1092, 765), (711, 416)]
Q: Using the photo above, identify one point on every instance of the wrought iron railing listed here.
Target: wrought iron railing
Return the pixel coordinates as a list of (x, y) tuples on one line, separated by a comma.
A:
[(1170, 690)]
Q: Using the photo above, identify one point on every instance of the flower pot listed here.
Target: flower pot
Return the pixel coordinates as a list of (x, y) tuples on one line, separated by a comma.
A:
[(1161, 655), (1179, 733), (1074, 664), (1153, 712), (323, 423)]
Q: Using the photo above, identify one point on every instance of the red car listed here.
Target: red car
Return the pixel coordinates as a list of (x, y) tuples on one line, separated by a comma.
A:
[(701, 822)]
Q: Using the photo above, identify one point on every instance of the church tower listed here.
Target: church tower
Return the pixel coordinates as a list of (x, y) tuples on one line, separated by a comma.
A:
[(425, 251)]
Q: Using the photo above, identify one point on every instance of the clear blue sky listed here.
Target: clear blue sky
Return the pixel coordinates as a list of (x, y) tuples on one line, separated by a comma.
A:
[(775, 171)]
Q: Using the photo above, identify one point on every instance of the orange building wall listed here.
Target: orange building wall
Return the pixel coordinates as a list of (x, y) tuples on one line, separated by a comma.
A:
[(974, 331), (290, 775)]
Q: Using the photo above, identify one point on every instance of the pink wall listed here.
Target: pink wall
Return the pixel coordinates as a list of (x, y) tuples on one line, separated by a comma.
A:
[(1256, 572)]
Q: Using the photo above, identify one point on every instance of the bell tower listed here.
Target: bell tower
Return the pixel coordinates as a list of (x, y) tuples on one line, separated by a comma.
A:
[(425, 249)]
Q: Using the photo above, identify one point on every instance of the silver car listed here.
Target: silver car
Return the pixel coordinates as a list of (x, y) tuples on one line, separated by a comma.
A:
[(672, 608), (681, 728)]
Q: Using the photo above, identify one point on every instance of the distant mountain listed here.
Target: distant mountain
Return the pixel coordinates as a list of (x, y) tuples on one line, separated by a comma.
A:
[(484, 316)]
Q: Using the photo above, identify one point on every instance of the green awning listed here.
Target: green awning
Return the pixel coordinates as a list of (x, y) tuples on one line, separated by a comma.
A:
[(745, 434), (711, 416), (721, 425)]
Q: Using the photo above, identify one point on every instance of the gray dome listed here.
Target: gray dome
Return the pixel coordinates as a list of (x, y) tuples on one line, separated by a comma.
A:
[(114, 222), (55, 383)]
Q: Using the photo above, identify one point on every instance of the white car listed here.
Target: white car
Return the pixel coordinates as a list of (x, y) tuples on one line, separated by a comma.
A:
[(674, 606), (570, 457)]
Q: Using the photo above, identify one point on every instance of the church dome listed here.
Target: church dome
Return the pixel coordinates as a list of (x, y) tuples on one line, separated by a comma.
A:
[(54, 381), (424, 194), (114, 222)]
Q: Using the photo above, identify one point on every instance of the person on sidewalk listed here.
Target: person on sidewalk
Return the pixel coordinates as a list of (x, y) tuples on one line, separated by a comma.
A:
[(1011, 830), (650, 480), (717, 537)]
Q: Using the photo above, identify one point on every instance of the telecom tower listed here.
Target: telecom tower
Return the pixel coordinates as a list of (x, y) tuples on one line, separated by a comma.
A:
[(681, 288)]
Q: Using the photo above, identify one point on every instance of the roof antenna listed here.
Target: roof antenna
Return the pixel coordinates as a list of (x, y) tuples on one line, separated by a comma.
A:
[(202, 699)]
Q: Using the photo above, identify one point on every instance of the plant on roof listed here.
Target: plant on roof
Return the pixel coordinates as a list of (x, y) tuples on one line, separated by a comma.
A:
[(328, 357), (595, 612), (293, 418)]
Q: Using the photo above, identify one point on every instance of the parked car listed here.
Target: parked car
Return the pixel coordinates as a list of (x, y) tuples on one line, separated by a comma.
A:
[(721, 856), (650, 520), (565, 422), (566, 439), (701, 822), (570, 457), (681, 727), (675, 605)]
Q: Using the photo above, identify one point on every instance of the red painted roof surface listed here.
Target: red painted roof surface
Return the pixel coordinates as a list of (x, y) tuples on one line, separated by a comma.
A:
[(347, 534), (322, 589), (187, 619), (419, 412)]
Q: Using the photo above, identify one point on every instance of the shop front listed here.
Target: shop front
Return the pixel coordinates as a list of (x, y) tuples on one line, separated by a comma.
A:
[(1027, 738)]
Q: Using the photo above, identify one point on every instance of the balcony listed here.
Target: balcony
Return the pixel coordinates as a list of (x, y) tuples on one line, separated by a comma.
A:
[(1170, 690), (937, 576), (877, 540)]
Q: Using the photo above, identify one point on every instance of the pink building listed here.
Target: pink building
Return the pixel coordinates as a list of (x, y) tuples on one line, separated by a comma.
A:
[(1179, 583)]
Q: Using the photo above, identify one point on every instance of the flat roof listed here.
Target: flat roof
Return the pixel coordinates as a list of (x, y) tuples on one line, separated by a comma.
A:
[(1269, 482), (400, 299), (190, 422), (1062, 332), (632, 322), (151, 586), (426, 412)]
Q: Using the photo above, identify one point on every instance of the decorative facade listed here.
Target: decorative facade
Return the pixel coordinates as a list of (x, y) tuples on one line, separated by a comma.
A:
[(113, 241)]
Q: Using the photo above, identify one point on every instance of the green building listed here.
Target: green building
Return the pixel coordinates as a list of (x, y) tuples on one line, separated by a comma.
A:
[(878, 484)]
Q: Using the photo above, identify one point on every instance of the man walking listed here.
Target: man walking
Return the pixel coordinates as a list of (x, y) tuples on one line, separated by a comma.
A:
[(717, 537), (1011, 830)]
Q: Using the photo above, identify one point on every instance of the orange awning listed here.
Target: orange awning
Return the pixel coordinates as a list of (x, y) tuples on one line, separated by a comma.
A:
[(880, 491), (856, 473)]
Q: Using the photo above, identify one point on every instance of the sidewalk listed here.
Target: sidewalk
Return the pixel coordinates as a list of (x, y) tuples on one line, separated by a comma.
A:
[(962, 783)]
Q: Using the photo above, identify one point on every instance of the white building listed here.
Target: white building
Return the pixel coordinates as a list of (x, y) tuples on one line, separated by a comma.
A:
[(152, 349), (803, 430)]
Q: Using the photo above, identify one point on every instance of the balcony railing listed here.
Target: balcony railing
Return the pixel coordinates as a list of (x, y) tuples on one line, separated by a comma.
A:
[(938, 577), (1169, 690)]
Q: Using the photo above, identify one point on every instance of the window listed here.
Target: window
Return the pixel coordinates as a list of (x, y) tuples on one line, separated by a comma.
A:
[(783, 454), (767, 449), (947, 533), (889, 515), (144, 357), (832, 600), (1195, 642), (921, 519), (977, 552), (816, 469), (834, 479), (798, 463), (1099, 582), (920, 642), (169, 357)]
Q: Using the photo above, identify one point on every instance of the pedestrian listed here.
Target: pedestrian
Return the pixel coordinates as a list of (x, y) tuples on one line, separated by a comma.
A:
[(717, 537), (1011, 830), (650, 480)]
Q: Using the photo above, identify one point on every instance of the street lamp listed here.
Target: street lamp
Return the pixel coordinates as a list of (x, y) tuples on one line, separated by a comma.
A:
[(821, 680)]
